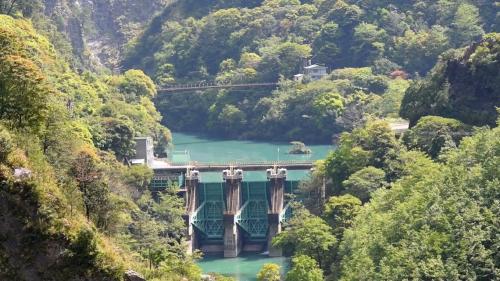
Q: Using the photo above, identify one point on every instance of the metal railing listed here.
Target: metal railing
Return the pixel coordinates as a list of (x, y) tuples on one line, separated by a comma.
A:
[(241, 164), (212, 85)]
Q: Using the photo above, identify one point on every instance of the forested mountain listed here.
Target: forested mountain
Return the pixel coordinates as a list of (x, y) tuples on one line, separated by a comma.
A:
[(271, 39), (90, 34)]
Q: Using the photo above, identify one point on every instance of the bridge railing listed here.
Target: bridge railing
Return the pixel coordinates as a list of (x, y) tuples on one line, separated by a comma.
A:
[(213, 85), (241, 164)]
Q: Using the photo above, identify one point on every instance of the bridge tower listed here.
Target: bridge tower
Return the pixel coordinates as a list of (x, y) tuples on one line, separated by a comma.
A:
[(232, 192), (277, 177), (191, 183)]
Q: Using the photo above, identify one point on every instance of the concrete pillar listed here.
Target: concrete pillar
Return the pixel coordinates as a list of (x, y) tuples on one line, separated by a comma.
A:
[(192, 180), (232, 191), (277, 177)]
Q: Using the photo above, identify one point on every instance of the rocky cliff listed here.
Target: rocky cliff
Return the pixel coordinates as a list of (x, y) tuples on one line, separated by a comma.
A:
[(98, 30)]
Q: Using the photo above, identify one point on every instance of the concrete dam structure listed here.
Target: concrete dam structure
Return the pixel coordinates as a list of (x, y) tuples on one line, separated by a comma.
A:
[(234, 215)]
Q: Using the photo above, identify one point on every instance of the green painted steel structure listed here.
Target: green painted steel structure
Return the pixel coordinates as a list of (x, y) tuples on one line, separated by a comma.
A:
[(252, 217), (208, 218)]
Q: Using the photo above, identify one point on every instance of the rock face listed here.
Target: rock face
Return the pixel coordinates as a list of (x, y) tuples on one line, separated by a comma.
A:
[(464, 86), (98, 30), (131, 275)]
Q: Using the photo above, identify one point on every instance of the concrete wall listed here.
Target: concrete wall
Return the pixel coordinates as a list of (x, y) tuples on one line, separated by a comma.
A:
[(144, 150)]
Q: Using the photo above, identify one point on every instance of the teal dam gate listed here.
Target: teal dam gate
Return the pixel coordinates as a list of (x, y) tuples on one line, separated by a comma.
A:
[(236, 215)]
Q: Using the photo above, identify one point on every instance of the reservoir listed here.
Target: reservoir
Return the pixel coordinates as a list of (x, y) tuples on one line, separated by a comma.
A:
[(201, 149), (206, 150)]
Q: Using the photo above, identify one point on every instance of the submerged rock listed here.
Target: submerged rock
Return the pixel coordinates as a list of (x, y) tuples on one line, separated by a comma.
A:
[(299, 148)]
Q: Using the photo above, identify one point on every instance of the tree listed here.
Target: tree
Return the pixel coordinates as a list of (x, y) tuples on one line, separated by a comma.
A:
[(466, 25), (304, 268), (230, 119), (418, 51), (6, 144), (288, 56), (340, 211), (329, 105), (369, 45), (307, 235), (374, 144), (365, 181), (434, 134), (118, 136), (431, 224), (9, 7), (163, 140), (23, 92), (344, 14), (135, 84), (88, 173), (325, 46), (269, 272), (139, 176)]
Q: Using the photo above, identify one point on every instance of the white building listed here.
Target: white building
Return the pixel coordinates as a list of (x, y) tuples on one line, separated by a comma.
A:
[(298, 77), (144, 152), (315, 72)]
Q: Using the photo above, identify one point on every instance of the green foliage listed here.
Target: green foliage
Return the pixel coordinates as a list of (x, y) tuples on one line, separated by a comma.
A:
[(76, 196), (325, 45), (304, 268), (340, 211), (134, 84), (6, 145), (466, 26), (269, 272), (139, 176), (364, 182), (23, 92), (434, 134), (418, 51), (10, 7), (308, 235), (431, 224), (118, 137), (372, 145)]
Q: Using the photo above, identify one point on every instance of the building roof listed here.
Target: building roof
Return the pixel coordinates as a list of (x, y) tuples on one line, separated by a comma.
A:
[(314, 66), (298, 75)]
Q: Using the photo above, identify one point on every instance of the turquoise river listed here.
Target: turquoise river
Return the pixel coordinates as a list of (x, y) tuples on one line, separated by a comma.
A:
[(245, 267)]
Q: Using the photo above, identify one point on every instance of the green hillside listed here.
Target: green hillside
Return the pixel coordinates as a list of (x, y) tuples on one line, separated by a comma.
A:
[(70, 210), (272, 41)]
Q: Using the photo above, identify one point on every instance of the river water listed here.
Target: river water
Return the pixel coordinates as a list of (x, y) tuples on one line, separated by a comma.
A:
[(201, 149)]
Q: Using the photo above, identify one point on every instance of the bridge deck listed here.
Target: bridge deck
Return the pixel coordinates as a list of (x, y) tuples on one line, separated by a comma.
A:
[(250, 166)]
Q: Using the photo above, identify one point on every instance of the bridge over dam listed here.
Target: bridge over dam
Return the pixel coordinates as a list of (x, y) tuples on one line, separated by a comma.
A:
[(233, 214)]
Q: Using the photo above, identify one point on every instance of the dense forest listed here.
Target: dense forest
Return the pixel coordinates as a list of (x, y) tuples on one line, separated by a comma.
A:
[(80, 79), (69, 207), (361, 42)]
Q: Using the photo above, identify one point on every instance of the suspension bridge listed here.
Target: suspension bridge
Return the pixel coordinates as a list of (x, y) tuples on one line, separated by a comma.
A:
[(213, 85)]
